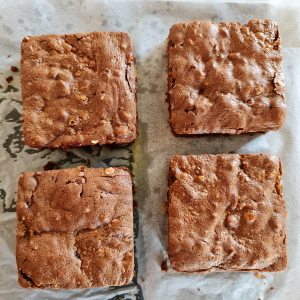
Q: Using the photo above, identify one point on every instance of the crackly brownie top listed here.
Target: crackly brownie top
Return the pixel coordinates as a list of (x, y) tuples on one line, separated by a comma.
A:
[(75, 228), (225, 78), (78, 89), (226, 213)]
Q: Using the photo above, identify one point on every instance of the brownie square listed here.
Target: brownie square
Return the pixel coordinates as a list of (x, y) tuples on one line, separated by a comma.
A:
[(226, 213), (225, 78), (78, 89), (75, 228)]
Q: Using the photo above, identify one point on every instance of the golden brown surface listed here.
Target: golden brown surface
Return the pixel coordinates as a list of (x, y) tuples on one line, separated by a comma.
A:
[(75, 228), (226, 213), (225, 78), (78, 89)]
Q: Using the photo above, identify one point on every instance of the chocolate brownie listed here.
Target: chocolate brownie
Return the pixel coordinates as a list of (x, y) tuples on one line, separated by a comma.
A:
[(226, 213), (78, 89), (75, 228), (225, 78)]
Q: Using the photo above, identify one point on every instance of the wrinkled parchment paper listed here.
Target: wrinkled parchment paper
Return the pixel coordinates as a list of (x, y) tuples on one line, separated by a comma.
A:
[(148, 24)]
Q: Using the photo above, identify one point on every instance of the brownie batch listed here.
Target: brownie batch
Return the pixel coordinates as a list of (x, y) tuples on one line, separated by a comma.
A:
[(226, 212), (75, 226)]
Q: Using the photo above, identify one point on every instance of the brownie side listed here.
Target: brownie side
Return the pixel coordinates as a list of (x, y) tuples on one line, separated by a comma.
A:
[(226, 213), (75, 228), (225, 78), (78, 89)]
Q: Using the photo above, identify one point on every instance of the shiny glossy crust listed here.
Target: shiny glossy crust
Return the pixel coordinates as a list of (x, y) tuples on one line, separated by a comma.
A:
[(226, 213), (225, 78), (78, 89), (75, 228)]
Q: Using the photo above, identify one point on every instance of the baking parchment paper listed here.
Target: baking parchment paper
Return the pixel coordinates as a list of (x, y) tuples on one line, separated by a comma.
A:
[(148, 24)]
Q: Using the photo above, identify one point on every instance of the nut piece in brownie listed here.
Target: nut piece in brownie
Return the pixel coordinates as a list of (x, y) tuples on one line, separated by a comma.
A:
[(225, 78), (75, 228), (226, 213), (78, 89)]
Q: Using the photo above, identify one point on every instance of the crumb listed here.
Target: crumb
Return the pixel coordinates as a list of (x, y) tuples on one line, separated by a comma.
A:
[(8, 56), (165, 207), (87, 161), (232, 152), (50, 166), (198, 289), (271, 288), (259, 275), (9, 79), (142, 279), (14, 69), (164, 266), (133, 188), (135, 204)]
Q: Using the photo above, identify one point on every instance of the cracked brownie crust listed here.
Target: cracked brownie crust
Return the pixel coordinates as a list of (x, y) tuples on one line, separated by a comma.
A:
[(225, 78), (75, 228), (78, 89), (226, 213)]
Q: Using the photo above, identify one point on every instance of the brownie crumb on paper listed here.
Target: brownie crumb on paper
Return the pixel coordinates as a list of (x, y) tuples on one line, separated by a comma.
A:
[(14, 69), (9, 79), (259, 275), (164, 266)]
